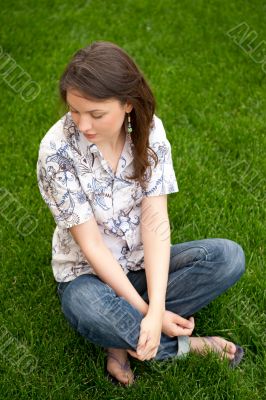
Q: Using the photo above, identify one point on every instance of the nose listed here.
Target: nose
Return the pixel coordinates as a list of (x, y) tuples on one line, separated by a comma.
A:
[(84, 123)]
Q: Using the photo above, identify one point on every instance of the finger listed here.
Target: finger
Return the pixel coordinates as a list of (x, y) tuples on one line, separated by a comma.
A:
[(133, 353), (151, 354), (136, 355), (192, 320), (187, 332), (183, 322), (145, 349), (143, 338), (180, 331), (149, 350)]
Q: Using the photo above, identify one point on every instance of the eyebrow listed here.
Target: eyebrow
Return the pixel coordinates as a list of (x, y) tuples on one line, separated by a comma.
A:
[(86, 111)]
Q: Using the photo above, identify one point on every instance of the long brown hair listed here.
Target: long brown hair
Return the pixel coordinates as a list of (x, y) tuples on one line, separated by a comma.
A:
[(103, 70)]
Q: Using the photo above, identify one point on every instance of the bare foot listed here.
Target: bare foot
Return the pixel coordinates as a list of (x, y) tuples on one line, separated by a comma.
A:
[(118, 365), (223, 347)]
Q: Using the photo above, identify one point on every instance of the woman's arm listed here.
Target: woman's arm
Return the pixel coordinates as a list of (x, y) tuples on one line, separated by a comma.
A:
[(88, 237), (155, 234)]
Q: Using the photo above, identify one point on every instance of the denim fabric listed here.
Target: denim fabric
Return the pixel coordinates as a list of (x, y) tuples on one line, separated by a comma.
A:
[(199, 271)]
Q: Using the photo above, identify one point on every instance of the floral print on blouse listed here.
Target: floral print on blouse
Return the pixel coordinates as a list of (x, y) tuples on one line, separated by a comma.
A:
[(76, 183)]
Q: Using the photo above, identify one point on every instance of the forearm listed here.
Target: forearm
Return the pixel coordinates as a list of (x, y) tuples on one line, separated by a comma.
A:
[(156, 244), (110, 272)]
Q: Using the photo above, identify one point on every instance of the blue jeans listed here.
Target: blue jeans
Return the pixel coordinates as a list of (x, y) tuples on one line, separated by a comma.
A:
[(199, 271)]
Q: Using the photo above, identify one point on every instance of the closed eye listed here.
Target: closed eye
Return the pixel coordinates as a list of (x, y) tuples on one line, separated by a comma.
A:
[(76, 112), (100, 116)]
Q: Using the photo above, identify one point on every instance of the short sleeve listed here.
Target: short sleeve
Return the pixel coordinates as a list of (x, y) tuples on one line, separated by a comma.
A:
[(162, 180), (59, 185)]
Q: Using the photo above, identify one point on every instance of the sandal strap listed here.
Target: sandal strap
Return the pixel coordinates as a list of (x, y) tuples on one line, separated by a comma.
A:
[(239, 354), (213, 341)]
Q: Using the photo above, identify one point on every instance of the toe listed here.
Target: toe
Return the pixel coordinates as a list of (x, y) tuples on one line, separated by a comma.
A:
[(230, 347), (226, 346), (125, 377)]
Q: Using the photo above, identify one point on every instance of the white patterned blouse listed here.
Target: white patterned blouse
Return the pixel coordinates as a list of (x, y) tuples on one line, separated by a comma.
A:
[(76, 182)]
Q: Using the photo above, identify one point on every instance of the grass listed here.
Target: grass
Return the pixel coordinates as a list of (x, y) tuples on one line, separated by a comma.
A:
[(211, 97)]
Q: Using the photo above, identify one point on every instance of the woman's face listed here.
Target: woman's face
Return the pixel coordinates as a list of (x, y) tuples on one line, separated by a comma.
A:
[(100, 120)]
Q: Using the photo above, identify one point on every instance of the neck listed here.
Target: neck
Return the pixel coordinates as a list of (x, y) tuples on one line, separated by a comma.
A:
[(114, 144)]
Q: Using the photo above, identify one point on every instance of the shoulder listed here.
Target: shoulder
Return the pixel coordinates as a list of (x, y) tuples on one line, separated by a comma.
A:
[(157, 131), (55, 133), (55, 139), (158, 140)]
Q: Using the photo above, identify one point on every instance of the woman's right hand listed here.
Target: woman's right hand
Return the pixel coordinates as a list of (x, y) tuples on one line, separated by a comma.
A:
[(174, 325)]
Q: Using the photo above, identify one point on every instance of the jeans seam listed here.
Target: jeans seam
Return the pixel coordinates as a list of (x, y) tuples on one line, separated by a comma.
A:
[(170, 284), (193, 247), (61, 288)]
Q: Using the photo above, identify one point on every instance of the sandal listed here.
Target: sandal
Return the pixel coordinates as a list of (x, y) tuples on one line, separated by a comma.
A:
[(239, 354)]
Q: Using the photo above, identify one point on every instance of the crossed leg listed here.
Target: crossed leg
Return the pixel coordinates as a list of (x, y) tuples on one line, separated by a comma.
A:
[(199, 271)]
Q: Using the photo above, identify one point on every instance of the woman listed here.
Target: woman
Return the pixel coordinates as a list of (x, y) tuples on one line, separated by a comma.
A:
[(105, 169)]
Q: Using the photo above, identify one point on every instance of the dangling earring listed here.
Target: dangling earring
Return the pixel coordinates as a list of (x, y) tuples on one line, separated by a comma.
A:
[(129, 127)]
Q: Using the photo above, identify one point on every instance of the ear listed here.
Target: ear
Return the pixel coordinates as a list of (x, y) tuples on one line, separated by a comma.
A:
[(128, 107)]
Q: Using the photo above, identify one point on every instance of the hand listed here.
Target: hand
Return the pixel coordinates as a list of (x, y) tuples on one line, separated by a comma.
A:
[(174, 325), (149, 337)]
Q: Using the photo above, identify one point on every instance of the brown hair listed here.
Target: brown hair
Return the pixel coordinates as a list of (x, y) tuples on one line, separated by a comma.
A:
[(103, 70)]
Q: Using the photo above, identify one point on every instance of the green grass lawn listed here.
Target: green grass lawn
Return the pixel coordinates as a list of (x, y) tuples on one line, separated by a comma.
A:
[(211, 98)]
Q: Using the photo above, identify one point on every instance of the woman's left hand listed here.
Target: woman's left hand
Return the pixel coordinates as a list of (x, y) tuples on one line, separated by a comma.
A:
[(149, 337)]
